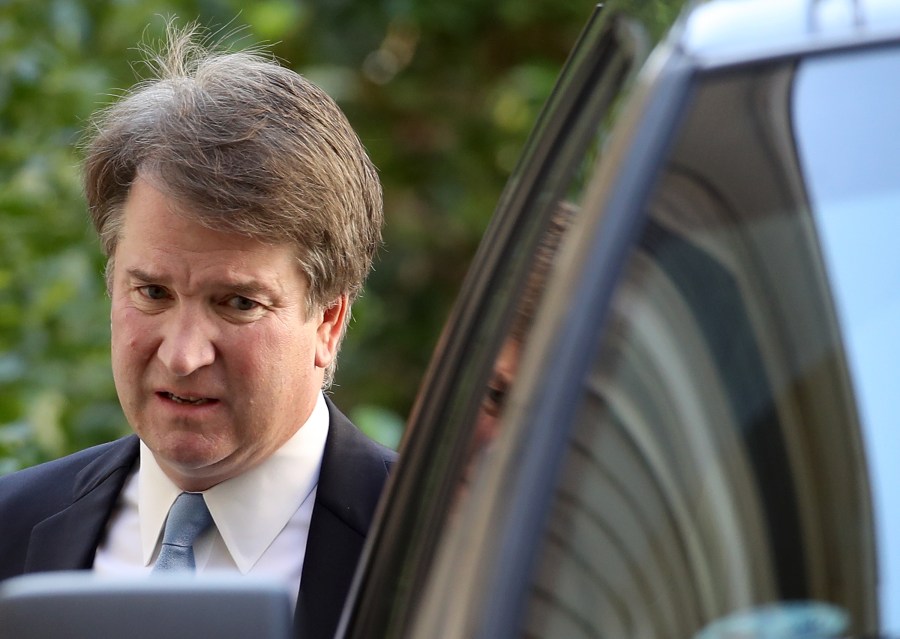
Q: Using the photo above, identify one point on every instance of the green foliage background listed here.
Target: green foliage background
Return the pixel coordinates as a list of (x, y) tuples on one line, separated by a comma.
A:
[(441, 93)]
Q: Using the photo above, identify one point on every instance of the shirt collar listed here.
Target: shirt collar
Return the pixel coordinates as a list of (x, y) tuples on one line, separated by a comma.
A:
[(251, 509)]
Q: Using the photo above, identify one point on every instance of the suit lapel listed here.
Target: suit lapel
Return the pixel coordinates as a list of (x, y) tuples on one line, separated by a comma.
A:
[(69, 539), (353, 473)]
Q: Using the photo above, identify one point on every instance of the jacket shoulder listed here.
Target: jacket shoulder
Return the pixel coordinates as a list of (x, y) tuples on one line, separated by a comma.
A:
[(34, 493)]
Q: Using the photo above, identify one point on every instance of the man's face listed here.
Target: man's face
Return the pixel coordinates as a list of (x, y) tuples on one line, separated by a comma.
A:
[(504, 374), (215, 361)]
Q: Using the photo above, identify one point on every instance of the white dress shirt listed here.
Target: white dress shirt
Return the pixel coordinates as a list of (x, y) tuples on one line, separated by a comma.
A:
[(261, 517)]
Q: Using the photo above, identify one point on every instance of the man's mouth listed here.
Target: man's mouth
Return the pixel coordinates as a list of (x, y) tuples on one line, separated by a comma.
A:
[(192, 401)]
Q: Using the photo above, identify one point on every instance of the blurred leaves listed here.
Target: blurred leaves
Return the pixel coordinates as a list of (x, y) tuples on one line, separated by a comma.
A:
[(441, 93)]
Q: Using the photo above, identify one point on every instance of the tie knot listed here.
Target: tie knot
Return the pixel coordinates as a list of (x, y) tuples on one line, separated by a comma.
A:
[(188, 518)]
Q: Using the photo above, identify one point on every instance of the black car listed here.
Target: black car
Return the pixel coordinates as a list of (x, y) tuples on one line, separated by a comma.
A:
[(696, 431), (664, 403)]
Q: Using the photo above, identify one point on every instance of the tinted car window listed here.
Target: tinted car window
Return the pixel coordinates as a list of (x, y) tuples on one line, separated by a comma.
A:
[(717, 476)]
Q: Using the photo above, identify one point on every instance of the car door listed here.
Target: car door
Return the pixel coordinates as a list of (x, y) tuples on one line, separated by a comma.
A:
[(697, 435)]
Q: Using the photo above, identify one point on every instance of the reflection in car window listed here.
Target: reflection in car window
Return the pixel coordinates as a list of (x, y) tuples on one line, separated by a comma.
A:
[(507, 362), (564, 190), (550, 212), (717, 476)]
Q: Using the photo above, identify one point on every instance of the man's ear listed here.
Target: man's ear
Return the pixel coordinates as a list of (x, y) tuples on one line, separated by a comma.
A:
[(330, 331)]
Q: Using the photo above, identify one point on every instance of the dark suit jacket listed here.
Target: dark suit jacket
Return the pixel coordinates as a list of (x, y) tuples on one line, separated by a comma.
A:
[(53, 516)]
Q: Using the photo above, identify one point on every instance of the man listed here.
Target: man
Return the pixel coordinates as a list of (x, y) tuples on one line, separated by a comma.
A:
[(240, 215), (506, 366)]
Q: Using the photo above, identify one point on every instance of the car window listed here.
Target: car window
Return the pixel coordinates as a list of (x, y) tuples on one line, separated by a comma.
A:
[(717, 479), (851, 154)]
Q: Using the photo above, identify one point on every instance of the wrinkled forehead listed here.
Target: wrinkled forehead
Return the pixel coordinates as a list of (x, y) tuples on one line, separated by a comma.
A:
[(251, 221)]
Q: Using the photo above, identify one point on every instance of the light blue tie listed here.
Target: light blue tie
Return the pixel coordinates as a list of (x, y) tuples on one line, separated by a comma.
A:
[(188, 518)]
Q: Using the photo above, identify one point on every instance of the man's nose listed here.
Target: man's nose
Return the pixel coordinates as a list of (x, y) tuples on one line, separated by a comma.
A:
[(187, 343)]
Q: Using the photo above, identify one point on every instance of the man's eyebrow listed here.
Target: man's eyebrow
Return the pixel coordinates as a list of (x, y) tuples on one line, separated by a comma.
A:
[(247, 288), (251, 288), (144, 276)]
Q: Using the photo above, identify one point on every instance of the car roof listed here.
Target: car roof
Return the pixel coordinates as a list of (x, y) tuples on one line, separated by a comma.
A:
[(728, 31)]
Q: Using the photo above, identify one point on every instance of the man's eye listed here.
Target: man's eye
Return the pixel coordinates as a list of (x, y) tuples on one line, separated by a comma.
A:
[(153, 292), (239, 303), (493, 400)]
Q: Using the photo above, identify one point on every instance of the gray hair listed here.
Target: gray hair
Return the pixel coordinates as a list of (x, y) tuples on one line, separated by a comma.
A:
[(253, 148)]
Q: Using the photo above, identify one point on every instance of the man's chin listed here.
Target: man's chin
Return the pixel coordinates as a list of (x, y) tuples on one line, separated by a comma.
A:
[(190, 456)]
